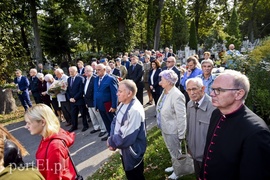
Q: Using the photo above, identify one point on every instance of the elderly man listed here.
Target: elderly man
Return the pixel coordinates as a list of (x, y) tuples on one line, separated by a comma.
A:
[(207, 76), (231, 52), (128, 132), (75, 96), (23, 93), (33, 88), (105, 98), (170, 65), (96, 119), (199, 110), (61, 97), (238, 141)]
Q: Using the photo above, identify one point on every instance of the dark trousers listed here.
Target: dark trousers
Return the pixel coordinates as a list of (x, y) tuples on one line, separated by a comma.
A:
[(136, 173), (37, 98), (107, 118), (65, 107), (25, 100), (75, 109), (197, 168), (156, 96), (139, 95), (55, 106)]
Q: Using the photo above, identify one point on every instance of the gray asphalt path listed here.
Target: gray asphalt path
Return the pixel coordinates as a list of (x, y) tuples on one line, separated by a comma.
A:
[(88, 151)]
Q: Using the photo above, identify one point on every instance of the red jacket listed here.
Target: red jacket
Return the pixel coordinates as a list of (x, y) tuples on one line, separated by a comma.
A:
[(53, 161)]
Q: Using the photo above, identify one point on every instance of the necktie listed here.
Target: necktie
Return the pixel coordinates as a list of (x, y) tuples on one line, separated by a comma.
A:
[(71, 82), (133, 67), (99, 81), (196, 105)]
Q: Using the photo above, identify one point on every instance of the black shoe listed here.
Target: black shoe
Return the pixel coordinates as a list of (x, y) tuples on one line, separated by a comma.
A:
[(84, 129), (101, 134), (72, 129), (94, 131), (104, 138)]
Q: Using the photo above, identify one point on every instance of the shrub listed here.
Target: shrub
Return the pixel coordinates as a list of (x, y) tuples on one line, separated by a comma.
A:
[(256, 65)]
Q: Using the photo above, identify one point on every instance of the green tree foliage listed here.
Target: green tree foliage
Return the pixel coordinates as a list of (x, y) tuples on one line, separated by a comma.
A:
[(234, 35), (180, 33), (255, 17), (259, 76), (216, 35), (14, 30), (193, 42), (55, 34)]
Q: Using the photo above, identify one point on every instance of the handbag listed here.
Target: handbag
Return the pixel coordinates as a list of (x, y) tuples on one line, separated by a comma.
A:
[(184, 165), (78, 176)]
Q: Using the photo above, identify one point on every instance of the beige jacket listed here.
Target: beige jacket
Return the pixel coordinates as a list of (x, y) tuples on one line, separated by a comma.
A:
[(173, 113)]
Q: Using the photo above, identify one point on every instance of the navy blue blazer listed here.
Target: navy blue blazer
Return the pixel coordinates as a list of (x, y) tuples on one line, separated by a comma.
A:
[(76, 91), (136, 75), (89, 95), (156, 80), (23, 84), (106, 92), (116, 72)]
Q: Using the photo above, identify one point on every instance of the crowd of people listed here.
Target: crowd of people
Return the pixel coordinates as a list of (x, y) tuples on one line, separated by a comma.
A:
[(225, 139)]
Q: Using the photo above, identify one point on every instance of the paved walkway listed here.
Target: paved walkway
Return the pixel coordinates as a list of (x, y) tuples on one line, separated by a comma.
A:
[(88, 151)]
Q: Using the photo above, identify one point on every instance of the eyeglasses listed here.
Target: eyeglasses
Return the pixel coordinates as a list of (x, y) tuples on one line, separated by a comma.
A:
[(218, 90), (192, 89)]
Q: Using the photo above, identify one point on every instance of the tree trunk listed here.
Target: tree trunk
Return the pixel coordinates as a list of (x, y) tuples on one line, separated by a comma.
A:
[(158, 25), (7, 102), (38, 50)]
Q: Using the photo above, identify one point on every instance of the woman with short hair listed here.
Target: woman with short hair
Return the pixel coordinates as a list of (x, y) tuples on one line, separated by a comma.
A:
[(171, 117)]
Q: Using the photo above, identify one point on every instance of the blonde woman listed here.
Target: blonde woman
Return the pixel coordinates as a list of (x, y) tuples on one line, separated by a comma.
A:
[(52, 156)]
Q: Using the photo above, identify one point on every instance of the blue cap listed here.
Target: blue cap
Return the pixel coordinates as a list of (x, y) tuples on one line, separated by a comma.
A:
[(102, 61)]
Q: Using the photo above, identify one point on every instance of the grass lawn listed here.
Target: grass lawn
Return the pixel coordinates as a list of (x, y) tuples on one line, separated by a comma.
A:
[(156, 159), (13, 117)]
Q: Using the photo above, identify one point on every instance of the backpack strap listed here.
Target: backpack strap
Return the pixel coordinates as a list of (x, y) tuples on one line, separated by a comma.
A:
[(73, 164)]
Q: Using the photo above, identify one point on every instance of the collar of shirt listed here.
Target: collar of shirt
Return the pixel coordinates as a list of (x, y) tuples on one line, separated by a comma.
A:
[(200, 101)]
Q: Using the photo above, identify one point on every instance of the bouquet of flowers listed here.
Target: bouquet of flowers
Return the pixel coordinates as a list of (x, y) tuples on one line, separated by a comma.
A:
[(57, 87), (12, 86)]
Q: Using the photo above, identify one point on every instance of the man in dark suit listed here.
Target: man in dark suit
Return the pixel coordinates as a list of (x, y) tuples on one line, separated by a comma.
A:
[(23, 93), (114, 70), (96, 119), (170, 65), (33, 88), (135, 73), (75, 96), (105, 98)]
